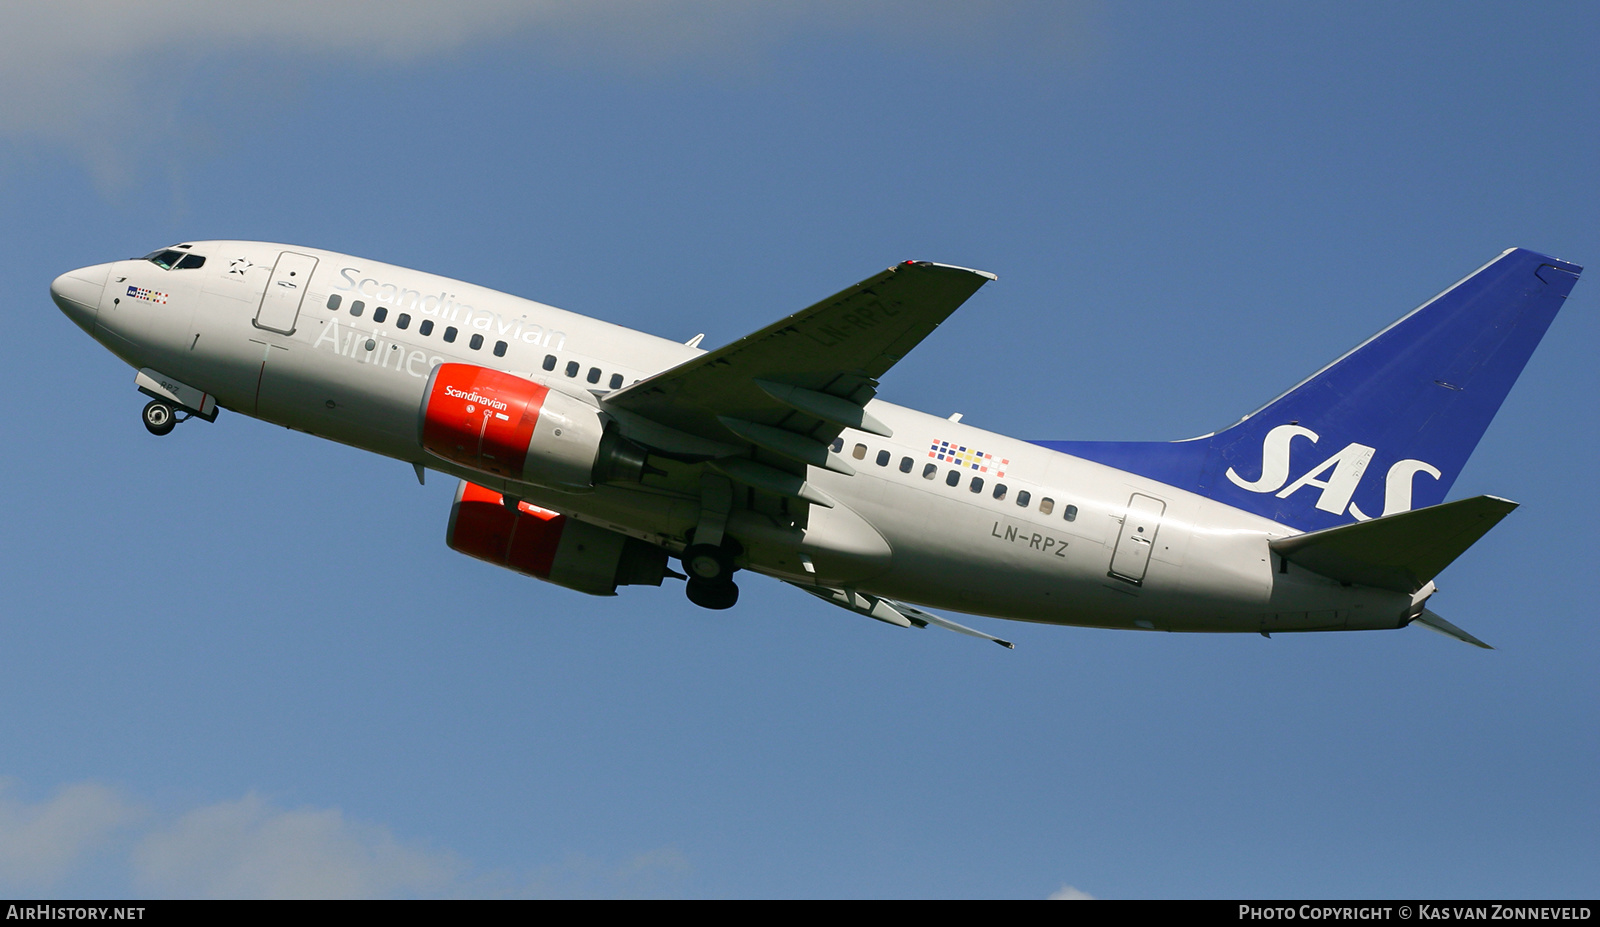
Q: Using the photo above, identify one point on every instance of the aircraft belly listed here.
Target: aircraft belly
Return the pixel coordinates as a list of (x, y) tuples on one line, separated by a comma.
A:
[(354, 403)]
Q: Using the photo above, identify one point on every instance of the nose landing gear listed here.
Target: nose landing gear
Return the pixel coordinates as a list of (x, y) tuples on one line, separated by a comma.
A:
[(171, 402), (159, 418)]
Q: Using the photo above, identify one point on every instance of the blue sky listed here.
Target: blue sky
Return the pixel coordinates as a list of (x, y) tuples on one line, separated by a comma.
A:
[(240, 661)]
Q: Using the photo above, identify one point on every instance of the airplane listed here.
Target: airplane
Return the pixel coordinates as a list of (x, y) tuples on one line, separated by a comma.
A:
[(592, 456)]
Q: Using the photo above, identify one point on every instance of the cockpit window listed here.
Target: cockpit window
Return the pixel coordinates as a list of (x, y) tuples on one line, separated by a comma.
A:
[(164, 258), (168, 259)]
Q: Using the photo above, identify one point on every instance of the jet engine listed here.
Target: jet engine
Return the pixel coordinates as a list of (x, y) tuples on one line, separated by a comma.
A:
[(550, 546), (499, 423)]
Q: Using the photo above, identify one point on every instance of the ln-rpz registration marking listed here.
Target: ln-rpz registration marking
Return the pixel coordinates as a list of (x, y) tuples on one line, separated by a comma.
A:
[(1042, 543)]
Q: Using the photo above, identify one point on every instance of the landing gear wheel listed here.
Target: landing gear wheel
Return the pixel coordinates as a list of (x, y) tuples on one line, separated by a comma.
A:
[(159, 418), (715, 596), (708, 564)]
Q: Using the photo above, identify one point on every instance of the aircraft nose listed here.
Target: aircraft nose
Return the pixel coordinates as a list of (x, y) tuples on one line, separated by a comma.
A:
[(77, 293)]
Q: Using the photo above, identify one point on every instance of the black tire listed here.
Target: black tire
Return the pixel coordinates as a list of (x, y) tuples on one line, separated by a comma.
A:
[(707, 563), (159, 418), (715, 596)]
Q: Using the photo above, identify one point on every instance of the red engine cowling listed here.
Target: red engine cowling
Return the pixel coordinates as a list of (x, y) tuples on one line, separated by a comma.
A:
[(550, 546), (515, 428)]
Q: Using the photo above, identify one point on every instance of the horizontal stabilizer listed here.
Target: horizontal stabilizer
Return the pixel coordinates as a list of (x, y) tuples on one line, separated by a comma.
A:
[(1434, 623), (1401, 552)]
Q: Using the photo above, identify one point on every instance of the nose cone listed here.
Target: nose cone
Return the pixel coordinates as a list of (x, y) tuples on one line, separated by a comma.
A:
[(77, 293)]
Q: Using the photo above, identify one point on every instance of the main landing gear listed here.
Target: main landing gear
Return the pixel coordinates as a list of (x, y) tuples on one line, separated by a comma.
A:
[(710, 570)]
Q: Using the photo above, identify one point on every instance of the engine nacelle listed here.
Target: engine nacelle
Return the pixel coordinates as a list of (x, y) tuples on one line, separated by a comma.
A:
[(550, 546), (499, 423)]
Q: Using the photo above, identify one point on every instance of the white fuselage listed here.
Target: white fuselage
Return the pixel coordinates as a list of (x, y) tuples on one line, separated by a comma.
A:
[(1134, 553)]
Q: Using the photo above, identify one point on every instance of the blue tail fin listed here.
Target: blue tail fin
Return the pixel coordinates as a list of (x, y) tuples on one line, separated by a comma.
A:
[(1387, 427)]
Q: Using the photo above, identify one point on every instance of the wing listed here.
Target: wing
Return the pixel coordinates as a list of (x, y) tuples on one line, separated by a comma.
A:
[(766, 407), (809, 374)]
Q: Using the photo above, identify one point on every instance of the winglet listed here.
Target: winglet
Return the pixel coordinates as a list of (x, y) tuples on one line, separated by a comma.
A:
[(919, 616), (889, 611), (1434, 623), (970, 270)]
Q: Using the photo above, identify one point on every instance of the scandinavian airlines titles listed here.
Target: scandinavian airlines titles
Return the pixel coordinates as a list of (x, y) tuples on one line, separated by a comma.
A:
[(444, 307)]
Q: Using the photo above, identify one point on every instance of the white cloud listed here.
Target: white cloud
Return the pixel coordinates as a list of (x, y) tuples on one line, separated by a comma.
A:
[(101, 77), (42, 843), (1068, 893), (249, 849)]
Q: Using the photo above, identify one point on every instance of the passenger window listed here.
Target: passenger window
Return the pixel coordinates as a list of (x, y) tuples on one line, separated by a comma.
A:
[(1046, 505), (499, 349), (883, 458), (929, 470), (977, 484), (572, 368), (379, 314), (357, 307), (475, 342), (191, 261), (906, 464), (616, 381), (1023, 497), (403, 322), (953, 478), (450, 334), (1071, 513), (999, 490), (334, 300), (860, 453), (426, 327), (838, 445), (549, 362), (594, 375)]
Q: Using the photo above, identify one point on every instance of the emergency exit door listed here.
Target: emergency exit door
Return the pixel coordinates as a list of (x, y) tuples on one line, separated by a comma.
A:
[(1131, 557), (280, 304)]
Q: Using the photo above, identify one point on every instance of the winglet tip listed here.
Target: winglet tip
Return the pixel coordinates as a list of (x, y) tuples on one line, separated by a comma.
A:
[(968, 270), (1431, 620)]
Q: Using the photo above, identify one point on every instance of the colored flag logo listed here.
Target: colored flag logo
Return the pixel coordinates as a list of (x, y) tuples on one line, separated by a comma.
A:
[(149, 296), (968, 459)]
